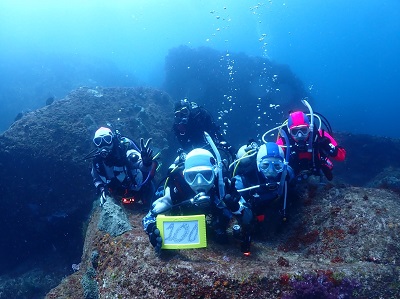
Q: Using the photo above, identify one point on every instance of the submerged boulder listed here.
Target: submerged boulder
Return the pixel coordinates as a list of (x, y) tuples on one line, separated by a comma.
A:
[(113, 219), (46, 189)]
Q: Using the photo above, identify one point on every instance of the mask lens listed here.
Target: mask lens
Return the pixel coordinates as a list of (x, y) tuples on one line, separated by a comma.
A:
[(107, 139), (264, 165), (278, 166), (208, 175), (190, 176), (97, 141)]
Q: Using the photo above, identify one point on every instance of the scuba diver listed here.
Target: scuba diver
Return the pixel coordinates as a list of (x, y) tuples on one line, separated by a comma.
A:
[(195, 185), (311, 147), (190, 123), (262, 177), (120, 168), (267, 183)]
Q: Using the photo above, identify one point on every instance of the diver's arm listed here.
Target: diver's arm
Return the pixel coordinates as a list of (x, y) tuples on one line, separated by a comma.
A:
[(161, 205), (97, 179), (330, 145)]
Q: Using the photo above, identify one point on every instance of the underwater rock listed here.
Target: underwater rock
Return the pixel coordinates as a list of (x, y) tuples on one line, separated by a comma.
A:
[(388, 179), (50, 100), (113, 220), (339, 241), (43, 166)]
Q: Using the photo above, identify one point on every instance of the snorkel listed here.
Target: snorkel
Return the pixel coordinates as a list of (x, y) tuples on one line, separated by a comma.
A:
[(91, 155), (283, 183), (310, 144), (221, 185)]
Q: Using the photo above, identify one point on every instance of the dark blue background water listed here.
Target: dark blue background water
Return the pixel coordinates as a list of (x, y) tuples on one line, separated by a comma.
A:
[(345, 52)]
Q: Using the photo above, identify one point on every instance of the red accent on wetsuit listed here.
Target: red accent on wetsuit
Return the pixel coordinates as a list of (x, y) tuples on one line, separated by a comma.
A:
[(341, 154), (304, 155), (260, 218)]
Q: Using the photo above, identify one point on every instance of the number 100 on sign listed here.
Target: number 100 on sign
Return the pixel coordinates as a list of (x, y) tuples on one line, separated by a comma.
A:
[(182, 232)]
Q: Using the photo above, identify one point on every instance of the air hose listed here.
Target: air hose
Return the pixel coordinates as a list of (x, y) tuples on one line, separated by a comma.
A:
[(221, 185)]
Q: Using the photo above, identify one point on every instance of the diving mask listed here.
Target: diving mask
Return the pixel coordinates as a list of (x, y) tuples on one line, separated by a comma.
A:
[(200, 178), (102, 141), (300, 132), (271, 167)]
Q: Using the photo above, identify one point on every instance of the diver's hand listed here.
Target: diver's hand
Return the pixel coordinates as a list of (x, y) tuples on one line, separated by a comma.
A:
[(154, 237), (326, 145), (324, 142), (103, 195), (146, 152), (232, 196), (103, 198)]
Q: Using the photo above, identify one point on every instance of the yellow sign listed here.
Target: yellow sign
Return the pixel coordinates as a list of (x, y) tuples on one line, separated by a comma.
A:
[(182, 232)]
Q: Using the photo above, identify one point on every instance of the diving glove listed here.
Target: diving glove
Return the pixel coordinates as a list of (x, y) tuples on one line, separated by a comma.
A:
[(154, 237), (232, 197), (146, 152), (103, 195)]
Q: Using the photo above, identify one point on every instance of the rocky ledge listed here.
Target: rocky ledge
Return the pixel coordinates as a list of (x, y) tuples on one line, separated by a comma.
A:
[(340, 242)]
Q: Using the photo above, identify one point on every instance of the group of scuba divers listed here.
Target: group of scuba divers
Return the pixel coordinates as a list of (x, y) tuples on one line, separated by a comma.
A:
[(234, 189)]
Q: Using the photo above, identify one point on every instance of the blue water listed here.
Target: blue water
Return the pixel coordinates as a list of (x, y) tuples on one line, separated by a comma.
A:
[(345, 52)]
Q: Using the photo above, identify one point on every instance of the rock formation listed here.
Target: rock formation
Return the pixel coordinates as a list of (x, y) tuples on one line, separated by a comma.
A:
[(340, 242), (46, 188)]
